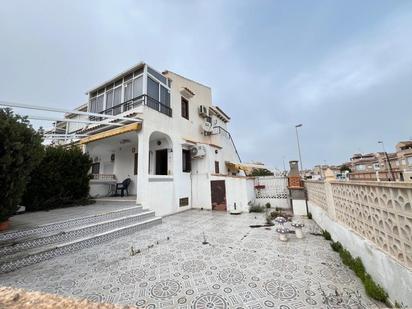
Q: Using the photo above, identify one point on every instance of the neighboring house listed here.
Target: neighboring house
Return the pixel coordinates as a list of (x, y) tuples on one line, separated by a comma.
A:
[(180, 155)]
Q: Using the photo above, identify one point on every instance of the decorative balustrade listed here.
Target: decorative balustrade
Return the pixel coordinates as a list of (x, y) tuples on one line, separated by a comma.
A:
[(106, 177), (378, 211)]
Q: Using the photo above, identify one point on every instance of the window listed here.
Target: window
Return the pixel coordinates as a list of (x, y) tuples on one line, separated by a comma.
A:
[(185, 108), (376, 166), (156, 75), (153, 89), (360, 167), (99, 103), (137, 87), (409, 161), (184, 201), (135, 163), (164, 96), (117, 97), (186, 161), (95, 168), (216, 167), (128, 91), (109, 99)]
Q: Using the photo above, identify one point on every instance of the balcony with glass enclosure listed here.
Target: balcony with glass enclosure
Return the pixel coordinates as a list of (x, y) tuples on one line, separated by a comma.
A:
[(136, 87)]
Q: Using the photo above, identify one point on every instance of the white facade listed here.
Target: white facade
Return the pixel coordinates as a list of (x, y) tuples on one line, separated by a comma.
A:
[(152, 156)]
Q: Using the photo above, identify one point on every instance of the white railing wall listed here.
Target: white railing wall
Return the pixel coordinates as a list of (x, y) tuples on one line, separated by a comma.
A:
[(374, 221)]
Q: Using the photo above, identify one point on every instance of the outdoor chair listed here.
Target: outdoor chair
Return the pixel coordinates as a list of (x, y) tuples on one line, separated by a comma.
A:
[(123, 186)]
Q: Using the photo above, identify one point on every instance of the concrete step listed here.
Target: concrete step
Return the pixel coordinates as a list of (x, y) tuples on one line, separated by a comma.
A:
[(50, 251), (23, 244), (45, 229)]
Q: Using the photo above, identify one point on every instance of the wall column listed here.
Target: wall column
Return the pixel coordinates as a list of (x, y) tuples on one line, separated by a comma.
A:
[(143, 167)]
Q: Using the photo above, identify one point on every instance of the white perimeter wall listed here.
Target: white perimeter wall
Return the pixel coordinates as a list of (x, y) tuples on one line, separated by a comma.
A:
[(393, 277)]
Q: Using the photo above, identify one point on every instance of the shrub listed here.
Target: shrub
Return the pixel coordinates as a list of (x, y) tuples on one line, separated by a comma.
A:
[(336, 246), (373, 289), (261, 172), (358, 268), (61, 179), (20, 151), (309, 215), (256, 208), (268, 205), (346, 257), (326, 234)]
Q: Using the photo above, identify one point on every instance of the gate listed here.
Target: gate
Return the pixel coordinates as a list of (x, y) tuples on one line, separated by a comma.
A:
[(273, 190)]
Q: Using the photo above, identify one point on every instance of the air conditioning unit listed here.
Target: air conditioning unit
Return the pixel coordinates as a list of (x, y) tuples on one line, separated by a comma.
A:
[(198, 152), (207, 128), (203, 111)]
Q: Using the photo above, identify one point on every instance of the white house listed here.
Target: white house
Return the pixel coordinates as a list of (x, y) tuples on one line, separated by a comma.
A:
[(179, 156)]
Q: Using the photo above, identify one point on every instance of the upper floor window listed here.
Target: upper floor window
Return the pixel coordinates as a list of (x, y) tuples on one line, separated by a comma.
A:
[(217, 167), (185, 108)]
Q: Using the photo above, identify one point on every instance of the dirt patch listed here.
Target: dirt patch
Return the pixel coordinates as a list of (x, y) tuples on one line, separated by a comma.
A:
[(22, 299)]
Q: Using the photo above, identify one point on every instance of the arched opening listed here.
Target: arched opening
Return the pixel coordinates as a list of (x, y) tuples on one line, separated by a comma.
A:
[(160, 154)]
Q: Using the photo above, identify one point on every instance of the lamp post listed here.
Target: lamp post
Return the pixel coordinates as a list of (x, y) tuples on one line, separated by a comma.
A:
[(387, 159), (297, 138)]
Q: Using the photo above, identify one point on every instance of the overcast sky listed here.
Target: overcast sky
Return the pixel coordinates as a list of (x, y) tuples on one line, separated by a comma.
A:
[(342, 68)]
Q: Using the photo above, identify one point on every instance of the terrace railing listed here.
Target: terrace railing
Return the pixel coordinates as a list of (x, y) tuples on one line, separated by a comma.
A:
[(133, 103)]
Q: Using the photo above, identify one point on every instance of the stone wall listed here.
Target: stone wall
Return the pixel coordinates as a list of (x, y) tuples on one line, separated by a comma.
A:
[(374, 221)]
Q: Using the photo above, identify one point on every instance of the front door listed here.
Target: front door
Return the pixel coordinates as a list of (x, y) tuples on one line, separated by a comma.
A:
[(218, 189)]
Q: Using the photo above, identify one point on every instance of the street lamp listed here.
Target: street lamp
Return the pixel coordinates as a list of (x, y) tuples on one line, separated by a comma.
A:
[(297, 138), (387, 159)]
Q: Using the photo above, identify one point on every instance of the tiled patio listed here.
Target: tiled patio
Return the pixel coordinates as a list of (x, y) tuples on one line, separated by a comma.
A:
[(241, 267)]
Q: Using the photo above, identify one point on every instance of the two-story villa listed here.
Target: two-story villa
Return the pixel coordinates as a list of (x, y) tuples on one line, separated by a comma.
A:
[(178, 155)]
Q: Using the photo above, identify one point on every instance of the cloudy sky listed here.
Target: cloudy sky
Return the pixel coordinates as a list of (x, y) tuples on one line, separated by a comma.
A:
[(342, 68)]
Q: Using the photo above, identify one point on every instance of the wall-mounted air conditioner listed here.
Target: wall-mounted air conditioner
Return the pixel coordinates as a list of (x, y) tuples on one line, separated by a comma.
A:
[(206, 128), (198, 152), (203, 111)]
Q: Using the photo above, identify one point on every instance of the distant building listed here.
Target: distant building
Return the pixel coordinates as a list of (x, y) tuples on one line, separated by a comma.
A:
[(383, 166)]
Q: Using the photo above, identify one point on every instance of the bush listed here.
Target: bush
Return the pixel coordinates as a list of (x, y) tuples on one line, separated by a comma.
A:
[(373, 289), (336, 246), (20, 151), (326, 234), (261, 172), (309, 215), (346, 257), (269, 220), (358, 268), (256, 208), (268, 205), (61, 179)]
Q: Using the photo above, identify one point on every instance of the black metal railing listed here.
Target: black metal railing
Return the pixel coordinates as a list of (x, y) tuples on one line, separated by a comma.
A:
[(227, 135), (133, 103)]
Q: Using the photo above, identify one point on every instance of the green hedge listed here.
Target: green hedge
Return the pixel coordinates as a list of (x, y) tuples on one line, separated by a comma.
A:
[(20, 151), (61, 179)]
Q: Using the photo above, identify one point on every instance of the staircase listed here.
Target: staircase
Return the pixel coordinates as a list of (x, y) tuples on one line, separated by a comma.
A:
[(29, 246)]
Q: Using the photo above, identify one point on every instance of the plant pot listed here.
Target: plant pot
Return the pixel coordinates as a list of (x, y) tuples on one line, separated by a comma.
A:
[(299, 233), (283, 237), (4, 225)]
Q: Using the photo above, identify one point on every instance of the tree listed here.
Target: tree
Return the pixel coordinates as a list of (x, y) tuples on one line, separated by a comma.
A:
[(261, 172), (60, 180), (20, 152)]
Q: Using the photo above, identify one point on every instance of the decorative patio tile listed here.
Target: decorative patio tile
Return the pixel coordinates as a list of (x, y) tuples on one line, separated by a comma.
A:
[(239, 268)]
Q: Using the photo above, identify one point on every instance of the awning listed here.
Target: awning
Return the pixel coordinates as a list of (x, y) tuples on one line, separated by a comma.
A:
[(113, 132), (246, 167)]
